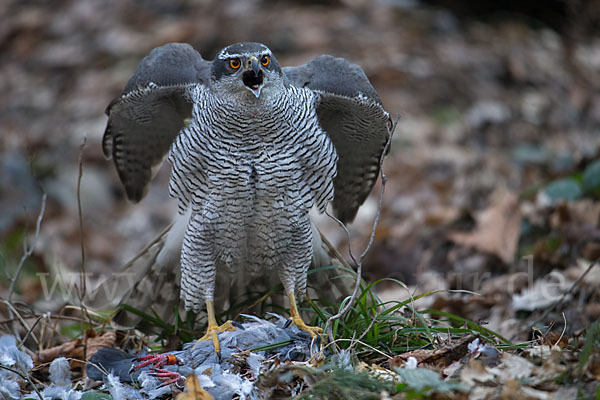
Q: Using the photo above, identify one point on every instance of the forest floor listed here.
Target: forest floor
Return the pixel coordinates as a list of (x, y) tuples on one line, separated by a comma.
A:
[(490, 217)]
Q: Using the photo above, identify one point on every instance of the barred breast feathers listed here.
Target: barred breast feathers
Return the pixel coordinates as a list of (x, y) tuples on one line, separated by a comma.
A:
[(226, 143)]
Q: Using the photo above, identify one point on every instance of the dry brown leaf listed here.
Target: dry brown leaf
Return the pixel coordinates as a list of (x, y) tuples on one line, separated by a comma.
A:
[(512, 367), (582, 215), (436, 359), (515, 377), (74, 349), (513, 389), (593, 366), (475, 373), (497, 230), (555, 339), (194, 390)]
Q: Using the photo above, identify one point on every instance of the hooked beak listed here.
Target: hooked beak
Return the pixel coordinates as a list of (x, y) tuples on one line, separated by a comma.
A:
[(253, 77)]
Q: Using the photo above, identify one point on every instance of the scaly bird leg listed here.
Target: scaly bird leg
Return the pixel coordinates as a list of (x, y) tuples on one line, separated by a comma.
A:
[(213, 329), (296, 319), (167, 377), (156, 360)]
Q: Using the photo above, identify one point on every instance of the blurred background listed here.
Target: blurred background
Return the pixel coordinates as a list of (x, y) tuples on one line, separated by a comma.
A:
[(500, 121)]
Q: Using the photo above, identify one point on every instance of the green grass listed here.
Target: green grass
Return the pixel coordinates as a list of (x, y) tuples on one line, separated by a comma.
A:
[(372, 329), (395, 327)]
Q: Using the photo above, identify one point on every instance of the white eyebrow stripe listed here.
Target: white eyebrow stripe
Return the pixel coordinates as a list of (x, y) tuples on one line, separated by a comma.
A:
[(224, 56)]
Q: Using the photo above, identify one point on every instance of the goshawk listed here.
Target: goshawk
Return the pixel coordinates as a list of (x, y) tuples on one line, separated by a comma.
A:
[(264, 145)]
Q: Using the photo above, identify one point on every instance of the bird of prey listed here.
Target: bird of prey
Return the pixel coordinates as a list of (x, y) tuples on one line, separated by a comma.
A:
[(262, 146)]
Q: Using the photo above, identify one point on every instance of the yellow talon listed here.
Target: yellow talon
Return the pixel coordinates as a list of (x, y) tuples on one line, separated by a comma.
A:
[(213, 329), (297, 320)]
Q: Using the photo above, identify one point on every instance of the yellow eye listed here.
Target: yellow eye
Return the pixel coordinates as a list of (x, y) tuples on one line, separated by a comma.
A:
[(265, 60), (235, 63)]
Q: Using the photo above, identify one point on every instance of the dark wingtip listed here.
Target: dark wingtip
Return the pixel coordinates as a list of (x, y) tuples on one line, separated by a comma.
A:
[(347, 216), (135, 193), (134, 196)]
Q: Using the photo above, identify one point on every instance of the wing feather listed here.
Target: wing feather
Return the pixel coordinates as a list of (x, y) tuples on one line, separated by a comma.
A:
[(147, 117), (351, 113)]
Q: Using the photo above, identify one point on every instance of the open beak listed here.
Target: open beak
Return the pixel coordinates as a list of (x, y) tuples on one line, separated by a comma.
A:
[(253, 76)]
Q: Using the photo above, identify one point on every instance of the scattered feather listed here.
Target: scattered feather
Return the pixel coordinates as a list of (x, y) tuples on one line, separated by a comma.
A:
[(254, 362), (15, 359), (229, 384), (151, 386), (343, 360), (9, 388), (119, 391), (59, 392), (411, 363), (474, 346), (60, 372), (219, 377), (12, 357)]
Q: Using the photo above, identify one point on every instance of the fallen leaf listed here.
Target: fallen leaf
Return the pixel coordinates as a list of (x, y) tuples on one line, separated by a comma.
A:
[(513, 389), (543, 293), (555, 339), (193, 390), (74, 349), (436, 359), (475, 373), (497, 228)]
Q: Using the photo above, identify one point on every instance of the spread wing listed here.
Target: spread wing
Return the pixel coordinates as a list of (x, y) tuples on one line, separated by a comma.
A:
[(351, 113), (146, 118)]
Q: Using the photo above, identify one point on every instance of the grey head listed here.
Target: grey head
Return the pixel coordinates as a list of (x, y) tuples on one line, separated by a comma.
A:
[(248, 71)]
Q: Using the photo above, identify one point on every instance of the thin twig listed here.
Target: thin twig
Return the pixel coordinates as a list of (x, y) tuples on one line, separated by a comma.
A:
[(26, 254), (18, 317), (80, 214), (81, 319), (83, 284), (334, 251), (365, 331), (30, 331), (60, 317), (350, 303), (562, 334), (25, 378), (358, 341), (55, 327), (28, 249), (567, 293), (99, 367)]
